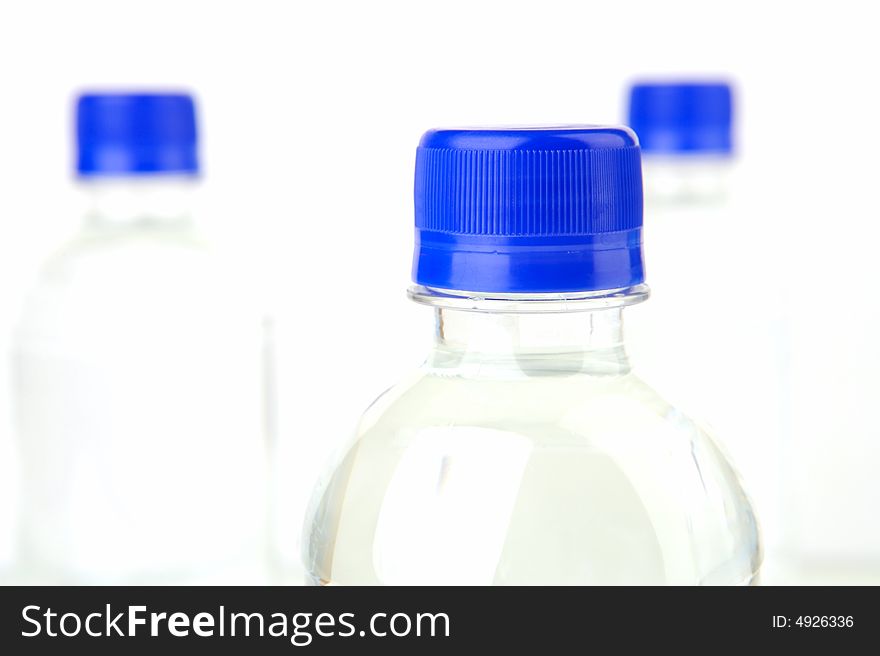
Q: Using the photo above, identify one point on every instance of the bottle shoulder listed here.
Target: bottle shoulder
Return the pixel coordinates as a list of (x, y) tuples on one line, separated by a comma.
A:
[(139, 282), (620, 416), (429, 395), (125, 248)]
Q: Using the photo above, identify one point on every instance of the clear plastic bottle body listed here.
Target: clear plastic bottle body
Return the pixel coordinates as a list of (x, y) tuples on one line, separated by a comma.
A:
[(524, 451), (139, 405)]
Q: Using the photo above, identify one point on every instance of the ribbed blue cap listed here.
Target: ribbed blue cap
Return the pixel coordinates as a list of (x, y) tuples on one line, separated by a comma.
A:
[(682, 117), (519, 210), (130, 134)]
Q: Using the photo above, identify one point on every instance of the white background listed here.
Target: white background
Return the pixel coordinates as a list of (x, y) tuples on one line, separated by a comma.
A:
[(311, 111)]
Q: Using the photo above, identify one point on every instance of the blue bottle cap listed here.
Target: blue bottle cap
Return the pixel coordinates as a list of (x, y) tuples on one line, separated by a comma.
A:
[(528, 210), (132, 134), (682, 117)]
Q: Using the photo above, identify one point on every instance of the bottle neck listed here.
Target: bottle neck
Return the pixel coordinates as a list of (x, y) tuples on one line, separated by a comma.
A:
[(162, 201), (516, 338), (687, 179)]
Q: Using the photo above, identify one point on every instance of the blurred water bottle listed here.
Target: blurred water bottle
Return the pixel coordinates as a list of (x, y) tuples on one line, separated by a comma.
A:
[(524, 450), (138, 374), (685, 131), (713, 337)]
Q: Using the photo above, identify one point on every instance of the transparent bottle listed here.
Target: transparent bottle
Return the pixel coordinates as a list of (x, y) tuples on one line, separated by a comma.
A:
[(524, 450), (709, 341), (138, 379)]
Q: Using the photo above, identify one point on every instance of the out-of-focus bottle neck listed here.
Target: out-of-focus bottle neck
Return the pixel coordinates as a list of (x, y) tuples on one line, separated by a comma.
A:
[(686, 179), (531, 336), (165, 200)]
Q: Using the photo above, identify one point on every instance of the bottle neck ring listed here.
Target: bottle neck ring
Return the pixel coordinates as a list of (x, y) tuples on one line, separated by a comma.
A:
[(531, 303), (526, 335)]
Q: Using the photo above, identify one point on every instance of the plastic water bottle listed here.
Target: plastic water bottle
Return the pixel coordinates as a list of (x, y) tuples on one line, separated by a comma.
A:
[(138, 374), (686, 132), (709, 341), (524, 450)]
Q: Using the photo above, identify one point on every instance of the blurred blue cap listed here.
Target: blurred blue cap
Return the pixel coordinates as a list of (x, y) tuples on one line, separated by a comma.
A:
[(556, 209), (682, 117), (131, 134)]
